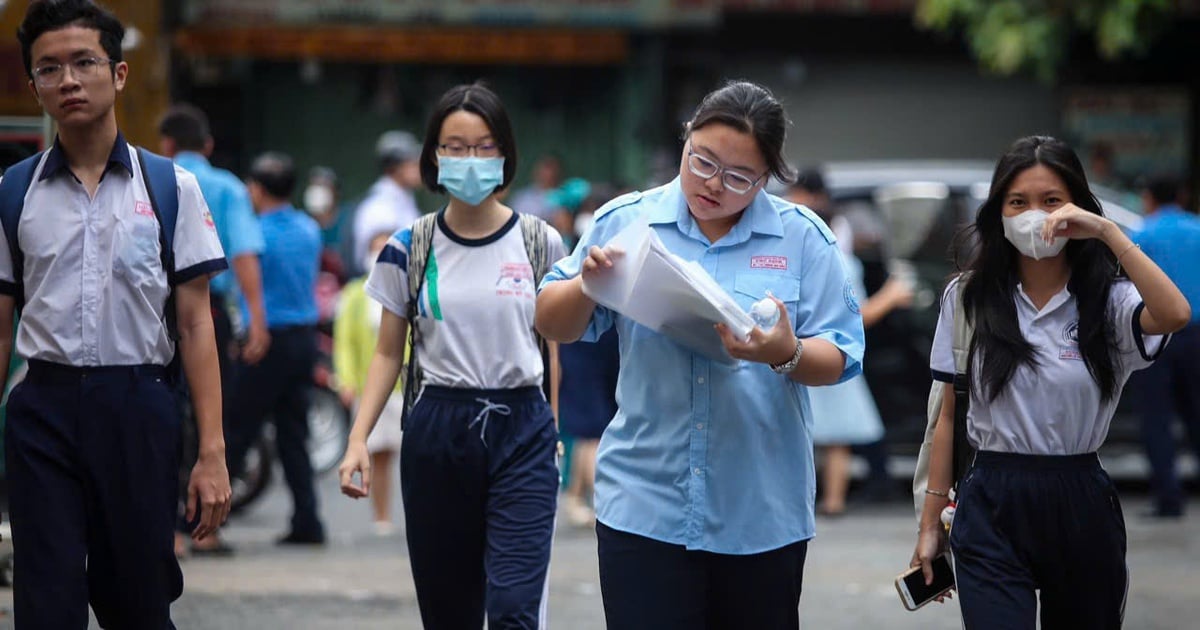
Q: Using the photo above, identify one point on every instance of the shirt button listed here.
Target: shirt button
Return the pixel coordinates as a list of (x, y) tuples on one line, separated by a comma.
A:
[(700, 380), (696, 471), (700, 426)]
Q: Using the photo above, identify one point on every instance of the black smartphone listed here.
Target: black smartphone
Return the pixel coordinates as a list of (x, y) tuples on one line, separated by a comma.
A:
[(914, 593)]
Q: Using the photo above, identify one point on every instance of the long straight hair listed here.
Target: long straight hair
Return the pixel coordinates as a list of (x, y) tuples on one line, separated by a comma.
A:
[(988, 296)]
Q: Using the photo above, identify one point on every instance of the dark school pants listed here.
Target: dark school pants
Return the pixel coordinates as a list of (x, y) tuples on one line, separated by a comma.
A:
[(480, 488), (651, 585), (1026, 523), (278, 387), (1170, 387), (93, 460)]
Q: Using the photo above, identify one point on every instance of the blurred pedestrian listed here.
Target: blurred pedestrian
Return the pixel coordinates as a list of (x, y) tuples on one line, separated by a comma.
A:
[(537, 198), (390, 205), (1056, 334), (322, 201), (92, 433), (477, 464), (704, 484), (587, 402), (809, 190), (845, 414), (278, 386), (1170, 236), (184, 136), (355, 335)]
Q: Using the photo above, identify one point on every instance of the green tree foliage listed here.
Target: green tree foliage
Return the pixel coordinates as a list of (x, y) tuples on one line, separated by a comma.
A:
[(1011, 36)]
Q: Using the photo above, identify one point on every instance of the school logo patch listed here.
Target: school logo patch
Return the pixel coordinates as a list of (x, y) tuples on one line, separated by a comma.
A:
[(144, 209), (769, 262), (516, 279), (1070, 333), (851, 298), (208, 220)]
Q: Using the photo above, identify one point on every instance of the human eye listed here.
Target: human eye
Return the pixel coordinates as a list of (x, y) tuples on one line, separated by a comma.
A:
[(48, 70), (454, 149), (86, 63), (488, 149)]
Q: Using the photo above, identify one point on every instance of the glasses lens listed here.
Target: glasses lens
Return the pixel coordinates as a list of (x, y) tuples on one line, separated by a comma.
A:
[(454, 150), (487, 150), (737, 183), (701, 166), (48, 76)]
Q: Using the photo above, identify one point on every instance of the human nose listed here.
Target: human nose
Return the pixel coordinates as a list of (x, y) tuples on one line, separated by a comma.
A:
[(68, 80)]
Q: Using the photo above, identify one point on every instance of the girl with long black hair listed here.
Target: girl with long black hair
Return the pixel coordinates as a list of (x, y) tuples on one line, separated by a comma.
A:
[(1064, 307)]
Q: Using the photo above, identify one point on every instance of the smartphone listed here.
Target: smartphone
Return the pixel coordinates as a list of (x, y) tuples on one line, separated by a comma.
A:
[(914, 593)]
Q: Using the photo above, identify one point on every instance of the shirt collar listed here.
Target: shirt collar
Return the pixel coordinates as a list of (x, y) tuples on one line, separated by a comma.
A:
[(280, 208), (56, 160), (191, 161), (760, 217)]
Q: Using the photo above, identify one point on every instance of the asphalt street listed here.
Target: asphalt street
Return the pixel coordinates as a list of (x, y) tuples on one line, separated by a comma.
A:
[(362, 581)]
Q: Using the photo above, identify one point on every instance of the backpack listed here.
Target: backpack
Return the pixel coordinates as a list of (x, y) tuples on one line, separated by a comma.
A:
[(963, 333), (533, 233), (159, 175)]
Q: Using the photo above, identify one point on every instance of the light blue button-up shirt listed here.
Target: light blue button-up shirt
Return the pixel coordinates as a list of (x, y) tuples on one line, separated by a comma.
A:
[(711, 456), (1171, 238), (229, 203)]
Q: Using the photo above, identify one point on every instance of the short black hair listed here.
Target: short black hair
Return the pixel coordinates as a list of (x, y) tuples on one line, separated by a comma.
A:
[(481, 101), (1163, 189), (187, 126), (276, 173), (810, 180), (44, 16)]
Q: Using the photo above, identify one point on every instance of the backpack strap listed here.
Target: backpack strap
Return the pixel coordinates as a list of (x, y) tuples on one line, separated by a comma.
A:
[(13, 186), (159, 174), (419, 247), (964, 332)]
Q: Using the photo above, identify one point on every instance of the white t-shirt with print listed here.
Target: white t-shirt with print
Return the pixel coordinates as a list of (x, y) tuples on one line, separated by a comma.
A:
[(476, 306)]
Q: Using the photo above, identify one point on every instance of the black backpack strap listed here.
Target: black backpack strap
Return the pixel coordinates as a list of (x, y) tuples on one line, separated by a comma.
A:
[(13, 186), (419, 247)]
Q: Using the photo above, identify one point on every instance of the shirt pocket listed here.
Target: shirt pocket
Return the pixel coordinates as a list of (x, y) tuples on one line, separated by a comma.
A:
[(138, 257), (749, 288)]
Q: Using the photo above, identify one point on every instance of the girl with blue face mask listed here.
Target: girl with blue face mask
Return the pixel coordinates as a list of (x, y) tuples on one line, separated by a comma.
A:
[(478, 474)]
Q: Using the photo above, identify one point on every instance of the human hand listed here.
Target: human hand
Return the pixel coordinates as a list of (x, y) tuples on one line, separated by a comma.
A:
[(772, 347), (347, 394), (898, 291), (1073, 222), (209, 488), (258, 341), (357, 460), (600, 260), (931, 543)]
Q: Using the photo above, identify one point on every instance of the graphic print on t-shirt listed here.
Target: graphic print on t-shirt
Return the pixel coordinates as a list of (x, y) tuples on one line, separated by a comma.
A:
[(516, 279)]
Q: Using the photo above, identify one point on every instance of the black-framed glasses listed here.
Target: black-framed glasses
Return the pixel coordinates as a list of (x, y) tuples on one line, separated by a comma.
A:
[(458, 149), (52, 74), (733, 181)]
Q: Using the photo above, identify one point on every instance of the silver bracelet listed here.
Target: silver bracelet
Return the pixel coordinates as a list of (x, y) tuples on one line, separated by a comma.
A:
[(937, 493), (790, 364)]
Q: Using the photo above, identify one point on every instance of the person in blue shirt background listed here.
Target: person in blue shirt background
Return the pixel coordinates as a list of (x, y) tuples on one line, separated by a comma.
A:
[(278, 385), (184, 136), (704, 479), (1171, 237)]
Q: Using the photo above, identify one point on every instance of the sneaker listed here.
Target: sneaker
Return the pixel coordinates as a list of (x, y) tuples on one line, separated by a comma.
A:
[(298, 538), (384, 528)]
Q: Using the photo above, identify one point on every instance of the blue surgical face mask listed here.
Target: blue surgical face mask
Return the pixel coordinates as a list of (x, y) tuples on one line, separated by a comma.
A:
[(470, 179)]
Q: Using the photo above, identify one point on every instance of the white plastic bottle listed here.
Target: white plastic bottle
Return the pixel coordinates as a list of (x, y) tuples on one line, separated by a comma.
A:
[(765, 312)]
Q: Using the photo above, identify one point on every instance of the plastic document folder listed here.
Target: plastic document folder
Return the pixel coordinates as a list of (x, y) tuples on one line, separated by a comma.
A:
[(667, 294)]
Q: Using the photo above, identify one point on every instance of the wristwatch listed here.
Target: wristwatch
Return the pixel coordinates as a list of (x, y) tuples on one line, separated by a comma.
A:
[(790, 364)]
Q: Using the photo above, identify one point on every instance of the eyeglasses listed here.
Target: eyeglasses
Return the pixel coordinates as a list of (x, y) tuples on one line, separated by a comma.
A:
[(457, 149), (51, 75), (734, 182)]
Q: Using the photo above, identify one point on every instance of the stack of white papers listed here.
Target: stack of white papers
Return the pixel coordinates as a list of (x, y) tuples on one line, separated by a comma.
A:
[(667, 294)]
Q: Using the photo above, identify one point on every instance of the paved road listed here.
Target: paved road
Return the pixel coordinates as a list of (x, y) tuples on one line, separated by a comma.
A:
[(361, 581)]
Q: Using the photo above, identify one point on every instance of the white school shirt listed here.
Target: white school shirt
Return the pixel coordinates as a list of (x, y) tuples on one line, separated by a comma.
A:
[(94, 282), (476, 305), (1055, 407)]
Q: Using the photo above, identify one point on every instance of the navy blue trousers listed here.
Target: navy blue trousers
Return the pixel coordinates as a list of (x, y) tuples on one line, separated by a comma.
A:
[(1167, 389), (277, 388), (93, 464), (480, 488), (1030, 523), (651, 585)]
